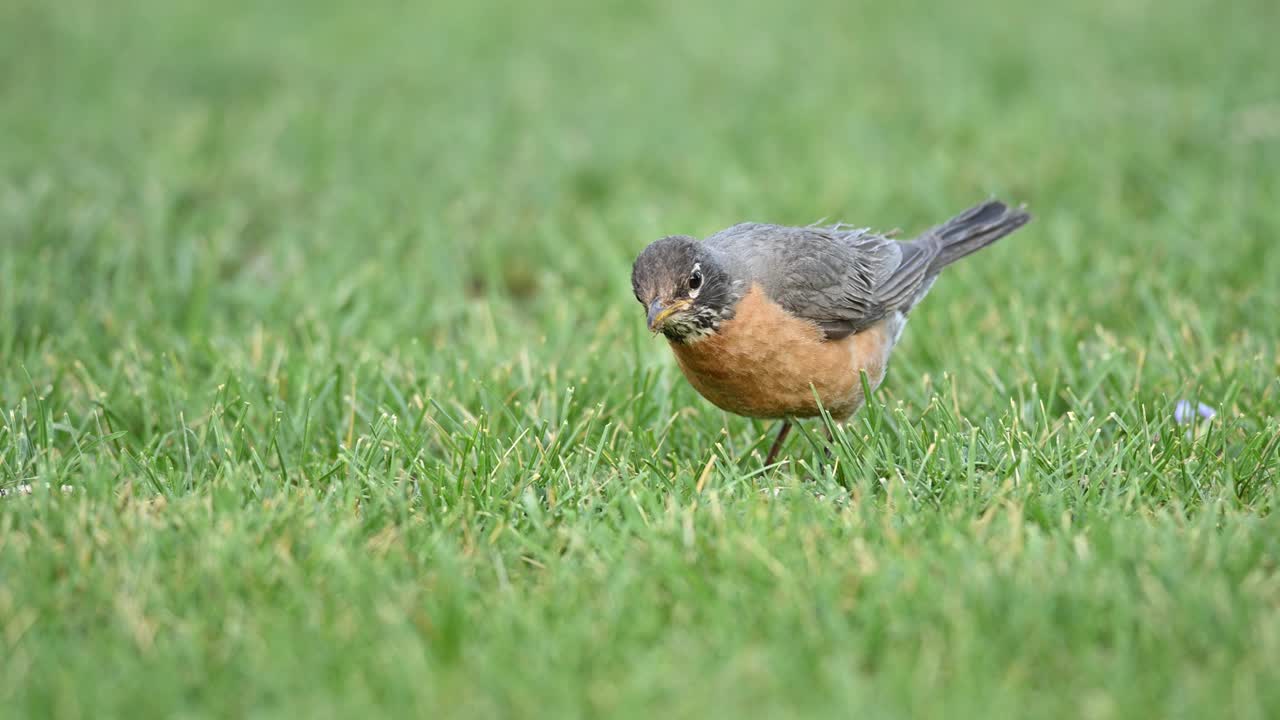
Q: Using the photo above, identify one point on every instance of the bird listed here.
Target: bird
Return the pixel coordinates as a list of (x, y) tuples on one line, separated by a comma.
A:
[(779, 322)]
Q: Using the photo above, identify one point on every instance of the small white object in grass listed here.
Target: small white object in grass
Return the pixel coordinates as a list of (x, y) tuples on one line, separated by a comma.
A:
[(1183, 414)]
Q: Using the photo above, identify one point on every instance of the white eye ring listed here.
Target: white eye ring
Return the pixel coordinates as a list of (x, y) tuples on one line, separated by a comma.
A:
[(695, 280)]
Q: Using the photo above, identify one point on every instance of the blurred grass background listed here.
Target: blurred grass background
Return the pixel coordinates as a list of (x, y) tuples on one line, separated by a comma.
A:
[(321, 313)]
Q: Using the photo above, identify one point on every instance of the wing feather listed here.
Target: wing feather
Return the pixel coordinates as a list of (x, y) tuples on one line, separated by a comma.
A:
[(843, 279)]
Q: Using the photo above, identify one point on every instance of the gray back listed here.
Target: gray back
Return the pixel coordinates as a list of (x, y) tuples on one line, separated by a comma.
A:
[(834, 276)]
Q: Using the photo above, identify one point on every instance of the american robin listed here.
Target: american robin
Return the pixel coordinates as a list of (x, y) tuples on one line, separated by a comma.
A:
[(768, 321)]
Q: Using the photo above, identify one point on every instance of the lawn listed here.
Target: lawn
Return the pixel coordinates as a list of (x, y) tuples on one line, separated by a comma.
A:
[(323, 393)]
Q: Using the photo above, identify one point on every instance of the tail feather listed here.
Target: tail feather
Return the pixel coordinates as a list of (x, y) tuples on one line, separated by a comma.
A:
[(970, 231)]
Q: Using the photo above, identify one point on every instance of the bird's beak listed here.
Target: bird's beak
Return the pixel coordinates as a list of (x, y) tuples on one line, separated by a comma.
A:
[(659, 314)]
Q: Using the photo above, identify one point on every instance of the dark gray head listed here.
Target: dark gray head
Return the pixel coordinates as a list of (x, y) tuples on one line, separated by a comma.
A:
[(685, 289)]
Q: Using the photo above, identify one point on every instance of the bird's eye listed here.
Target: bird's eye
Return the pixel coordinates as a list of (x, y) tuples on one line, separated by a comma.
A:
[(695, 280)]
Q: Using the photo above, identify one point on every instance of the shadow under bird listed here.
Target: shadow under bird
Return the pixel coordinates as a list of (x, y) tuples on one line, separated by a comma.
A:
[(770, 321)]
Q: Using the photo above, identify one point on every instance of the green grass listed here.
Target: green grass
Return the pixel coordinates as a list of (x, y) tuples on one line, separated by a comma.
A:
[(321, 312)]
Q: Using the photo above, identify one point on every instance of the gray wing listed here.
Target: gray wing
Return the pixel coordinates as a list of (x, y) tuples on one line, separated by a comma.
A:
[(843, 279)]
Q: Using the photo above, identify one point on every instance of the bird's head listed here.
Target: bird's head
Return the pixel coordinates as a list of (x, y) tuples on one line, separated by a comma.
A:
[(684, 288)]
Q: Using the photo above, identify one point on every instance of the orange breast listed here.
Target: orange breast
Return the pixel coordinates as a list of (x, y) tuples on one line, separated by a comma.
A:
[(767, 363)]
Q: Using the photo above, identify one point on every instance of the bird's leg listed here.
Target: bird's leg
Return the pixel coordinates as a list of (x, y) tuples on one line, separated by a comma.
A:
[(777, 444)]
